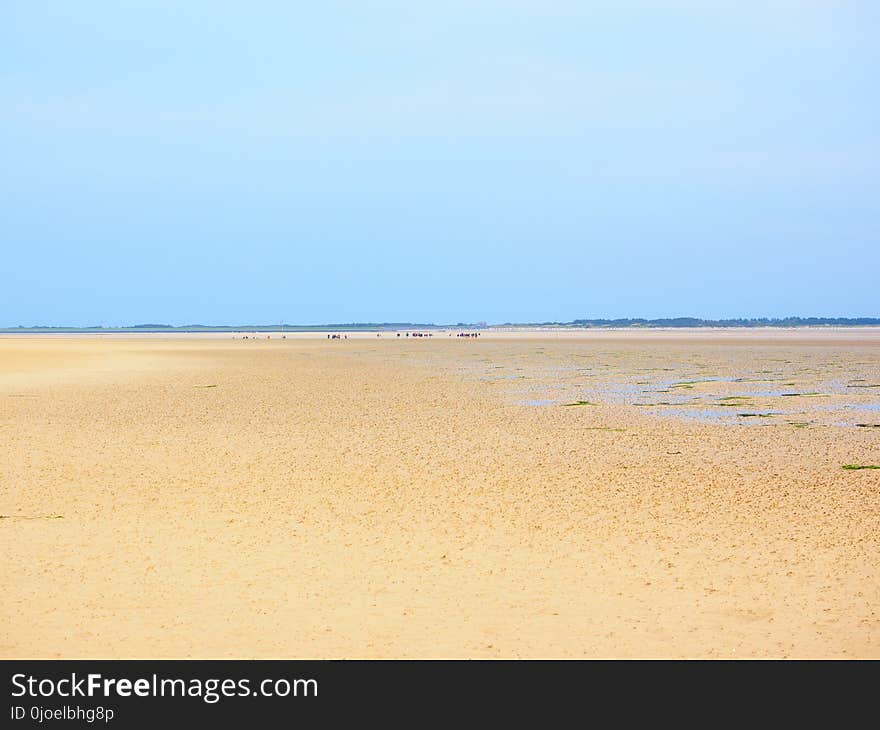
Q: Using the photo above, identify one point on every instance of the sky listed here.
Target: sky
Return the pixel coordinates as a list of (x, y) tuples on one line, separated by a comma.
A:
[(457, 161)]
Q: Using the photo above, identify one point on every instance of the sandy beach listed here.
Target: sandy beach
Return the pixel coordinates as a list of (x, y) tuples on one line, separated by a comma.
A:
[(522, 494)]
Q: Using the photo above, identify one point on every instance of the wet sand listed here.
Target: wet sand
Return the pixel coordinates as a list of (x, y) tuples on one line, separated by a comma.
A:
[(389, 497)]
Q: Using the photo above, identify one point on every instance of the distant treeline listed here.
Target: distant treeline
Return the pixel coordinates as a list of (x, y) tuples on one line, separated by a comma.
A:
[(757, 322), (382, 326)]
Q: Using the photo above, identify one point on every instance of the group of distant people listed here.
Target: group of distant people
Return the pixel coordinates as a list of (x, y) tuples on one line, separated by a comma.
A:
[(335, 336), (408, 334)]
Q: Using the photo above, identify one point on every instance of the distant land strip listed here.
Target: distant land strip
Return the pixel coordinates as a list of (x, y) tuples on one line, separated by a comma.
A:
[(674, 322)]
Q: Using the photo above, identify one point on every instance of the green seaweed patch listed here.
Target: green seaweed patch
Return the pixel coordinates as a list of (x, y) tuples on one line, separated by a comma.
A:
[(800, 424), (857, 467), (205, 386), (580, 403), (755, 415)]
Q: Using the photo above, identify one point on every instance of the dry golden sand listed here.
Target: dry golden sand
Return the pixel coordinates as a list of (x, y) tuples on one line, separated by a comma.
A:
[(383, 497)]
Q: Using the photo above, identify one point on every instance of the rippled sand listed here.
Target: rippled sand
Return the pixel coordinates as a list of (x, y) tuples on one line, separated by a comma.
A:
[(390, 497)]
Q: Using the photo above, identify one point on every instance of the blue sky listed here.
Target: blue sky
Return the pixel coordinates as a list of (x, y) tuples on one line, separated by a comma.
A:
[(524, 160)]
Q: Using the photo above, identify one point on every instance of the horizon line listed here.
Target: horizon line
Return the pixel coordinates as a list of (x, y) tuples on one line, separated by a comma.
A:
[(634, 322)]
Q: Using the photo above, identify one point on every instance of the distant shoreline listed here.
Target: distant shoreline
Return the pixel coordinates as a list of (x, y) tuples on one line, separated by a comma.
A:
[(681, 323)]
